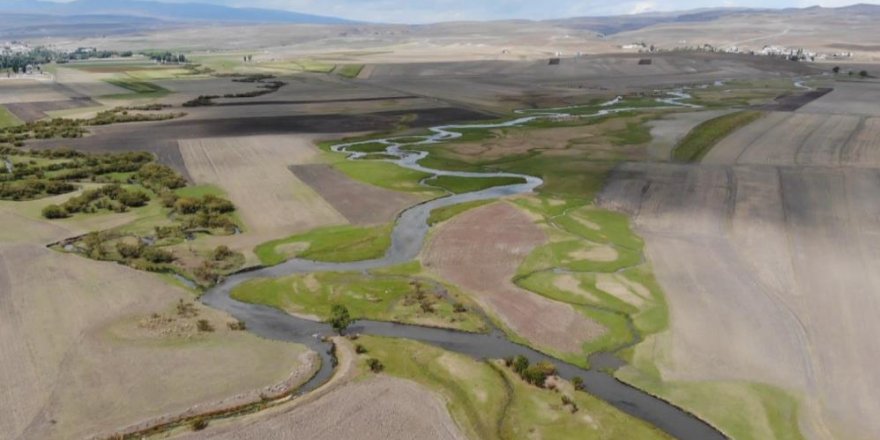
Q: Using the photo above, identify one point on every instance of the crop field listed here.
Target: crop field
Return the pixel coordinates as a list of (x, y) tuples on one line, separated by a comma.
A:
[(272, 201), (764, 252), (359, 203), (801, 139)]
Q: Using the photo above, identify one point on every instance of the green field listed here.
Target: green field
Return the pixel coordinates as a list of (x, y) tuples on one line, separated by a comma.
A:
[(703, 137), (349, 70), (460, 185), (332, 244), (489, 402), (367, 296), (7, 119)]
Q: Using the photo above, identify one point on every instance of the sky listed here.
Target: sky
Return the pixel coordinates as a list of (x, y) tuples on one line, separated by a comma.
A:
[(426, 11)]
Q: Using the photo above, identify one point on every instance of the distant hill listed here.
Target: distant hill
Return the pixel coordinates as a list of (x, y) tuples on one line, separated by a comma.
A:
[(172, 12)]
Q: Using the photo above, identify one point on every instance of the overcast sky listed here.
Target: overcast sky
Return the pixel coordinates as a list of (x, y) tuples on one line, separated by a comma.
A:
[(421, 11)]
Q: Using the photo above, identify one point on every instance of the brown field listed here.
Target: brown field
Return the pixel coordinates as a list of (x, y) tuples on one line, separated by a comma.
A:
[(769, 271), (29, 90), (254, 172), (84, 83), (789, 139), (76, 334), (480, 251), (376, 408), (359, 203)]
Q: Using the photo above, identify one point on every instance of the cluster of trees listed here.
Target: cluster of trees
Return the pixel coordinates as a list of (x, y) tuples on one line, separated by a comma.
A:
[(111, 197), (159, 178), (33, 189), (165, 57), (209, 212), (266, 86), (42, 55), (534, 374), (74, 128), (862, 73)]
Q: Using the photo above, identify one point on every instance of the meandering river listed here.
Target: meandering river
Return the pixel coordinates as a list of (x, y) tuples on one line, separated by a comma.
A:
[(408, 237)]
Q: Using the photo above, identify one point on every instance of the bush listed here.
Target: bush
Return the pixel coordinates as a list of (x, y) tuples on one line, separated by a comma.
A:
[(55, 212), (375, 365), (360, 349), (133, 199), (199, 424), (237, 326), (159, 177), (129, 250), (204, 326), (157, 255), (578, 383), (520, 363), (221, 253)]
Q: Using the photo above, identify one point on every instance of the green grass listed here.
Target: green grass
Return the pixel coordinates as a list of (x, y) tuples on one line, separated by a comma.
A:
[(139, 88), (349, 70), (460, 185), (7, 119), (331, 244), (635, 133), (199, 191), (703, 137), (372, 147), (489, 402), (741, 410), (440, 215), (367, 296)]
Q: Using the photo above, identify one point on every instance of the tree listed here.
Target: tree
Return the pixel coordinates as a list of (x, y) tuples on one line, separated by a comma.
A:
[(221, 253), (577, 382), (375, 365), (340, 319), (836, 70), (863, 73)]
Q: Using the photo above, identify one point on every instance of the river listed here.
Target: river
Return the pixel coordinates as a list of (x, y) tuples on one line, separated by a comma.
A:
[(407, 239)]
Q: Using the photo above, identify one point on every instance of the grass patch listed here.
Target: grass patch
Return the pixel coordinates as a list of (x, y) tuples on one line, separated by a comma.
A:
[(372, 147), (335, 244), (489, 402), (703, 137), (7, 119), (349, 70), (635, 133), (440, 215), (367, 296), (459, 185), (199, 191)]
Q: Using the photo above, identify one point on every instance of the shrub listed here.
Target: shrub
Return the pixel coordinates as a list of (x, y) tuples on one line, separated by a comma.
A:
[(204, 326), (159, 177), (133, 199), (157, 255), (55, 212), (129, 250), (199, 424), (237, 326), (360, 349), (221, 253), (520, 363), (578, 383), (375, 365)]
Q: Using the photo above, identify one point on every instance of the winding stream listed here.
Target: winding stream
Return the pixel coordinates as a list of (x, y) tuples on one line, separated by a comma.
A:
[(408, 237)]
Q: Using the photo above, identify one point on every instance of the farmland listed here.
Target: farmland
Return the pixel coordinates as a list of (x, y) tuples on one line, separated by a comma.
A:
[(697, 225)]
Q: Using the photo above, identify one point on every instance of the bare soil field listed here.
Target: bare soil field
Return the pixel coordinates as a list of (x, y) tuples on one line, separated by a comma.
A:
[(254, 172), (480, 251), (161, 137), (87, 84), (769, 277), (667, 132), (379, 408), (359, 203), (32, 111), (76, 335), (850, 97), (29, 90), (801, 139)]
